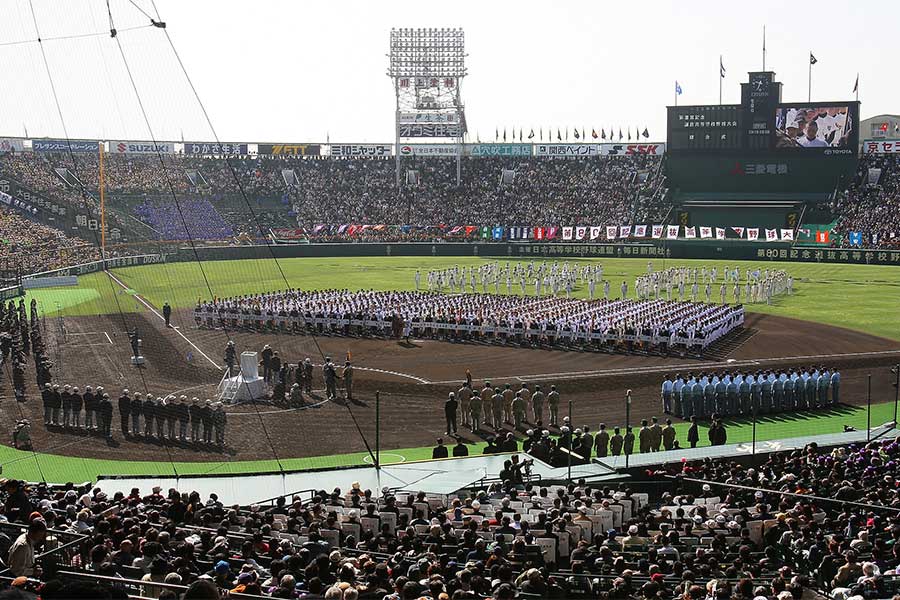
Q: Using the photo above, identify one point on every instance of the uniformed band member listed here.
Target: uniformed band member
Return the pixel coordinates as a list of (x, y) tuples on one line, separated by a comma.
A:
[(347, 376), (125, 411)]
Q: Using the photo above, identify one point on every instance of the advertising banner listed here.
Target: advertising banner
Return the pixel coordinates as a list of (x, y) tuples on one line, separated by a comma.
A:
[(498, 149), (289, 149), (429, 150), (629, 149), (11, 145), (575, 150), (429, 130), (428, 117), (868, 146), (65, 146), (361, 150), (126, 147), (216, 148)]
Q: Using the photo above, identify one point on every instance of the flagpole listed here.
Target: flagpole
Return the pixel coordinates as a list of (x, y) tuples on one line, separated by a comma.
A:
[(856, 87), (720, 80), (809, 86), (764, 47)]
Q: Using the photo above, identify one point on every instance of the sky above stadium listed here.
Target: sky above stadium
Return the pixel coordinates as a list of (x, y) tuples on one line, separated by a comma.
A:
[(303, 71)]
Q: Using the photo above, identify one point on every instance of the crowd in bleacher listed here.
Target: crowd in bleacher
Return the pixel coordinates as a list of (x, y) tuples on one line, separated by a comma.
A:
[(872, 210), (27, 246), (799, 523)]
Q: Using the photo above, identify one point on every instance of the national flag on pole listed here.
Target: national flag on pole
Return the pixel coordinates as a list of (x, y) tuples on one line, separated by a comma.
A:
[(602, 134), (558, 135), (812, 59), (787, 235), (595, 231), (771, 235), (720, 233), (531, 134), (594, 133), (620, 134), (657, 232), (672, 231), (611, 231), (721, 68), (646, 133), (640, 231), (567, 233), (690, 232), (739, 231), (753, 233), (856, 84), (677, 88), (576, 133)]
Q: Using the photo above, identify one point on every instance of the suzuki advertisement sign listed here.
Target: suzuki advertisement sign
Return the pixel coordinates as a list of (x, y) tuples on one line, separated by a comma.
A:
[(141, 148)]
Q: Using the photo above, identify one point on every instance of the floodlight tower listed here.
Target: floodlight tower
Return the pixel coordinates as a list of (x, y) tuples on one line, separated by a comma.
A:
[(427, 66)]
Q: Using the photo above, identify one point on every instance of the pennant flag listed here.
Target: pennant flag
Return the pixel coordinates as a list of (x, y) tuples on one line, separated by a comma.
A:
[(812, 59), (582, 134), (567, 233), (580, 232), (620, 134), (856, 84), (342, 228), (538, 233), (558, 135), (504, 134), (677, 88), (657, 232), (595, 232), (640, 231), (611, 231), (520, 134), (470, 229), (625, 231), (541, 134), (646, 133), (690, 232), (771, 235), (497, 233), (576, 134), (531, 134), (753, 233), (594, 133), (455, 230), (805, 231), (550, 232), (720, 233), (721, 68), (823, 237), (855, 238), (496, 134), (787, 235), (567, 133), (706, 233), (672, 232), (739, 231), (602, 134)]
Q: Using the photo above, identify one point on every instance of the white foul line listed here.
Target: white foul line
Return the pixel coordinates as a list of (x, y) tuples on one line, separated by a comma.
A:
[(154, 311)]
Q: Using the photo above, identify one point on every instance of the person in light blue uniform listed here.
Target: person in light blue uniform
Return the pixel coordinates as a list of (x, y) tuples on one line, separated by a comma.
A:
[(676, 394), (790, 390), (822, 384), (744, 394), (732, 389), (755, 395), (835, 387), (697, 397), (810, 385), (778, 393), (709, 398), (687, 397), (667, 388), (800, 390), (765, 390), (721, 405)]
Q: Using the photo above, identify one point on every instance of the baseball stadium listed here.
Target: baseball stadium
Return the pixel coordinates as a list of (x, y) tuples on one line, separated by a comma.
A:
[(592, 361)]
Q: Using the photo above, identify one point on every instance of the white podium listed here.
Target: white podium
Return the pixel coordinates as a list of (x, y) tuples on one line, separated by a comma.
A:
[(245, 387)]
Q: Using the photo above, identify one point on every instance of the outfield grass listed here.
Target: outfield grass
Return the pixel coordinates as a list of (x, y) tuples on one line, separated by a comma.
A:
[(59, 469), (861, 297)]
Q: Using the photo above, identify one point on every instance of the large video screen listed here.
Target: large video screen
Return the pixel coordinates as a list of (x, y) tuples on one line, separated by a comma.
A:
[(816, 126)]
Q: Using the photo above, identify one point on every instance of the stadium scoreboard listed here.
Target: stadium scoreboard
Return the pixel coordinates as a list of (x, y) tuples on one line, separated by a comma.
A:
[(762, 144)]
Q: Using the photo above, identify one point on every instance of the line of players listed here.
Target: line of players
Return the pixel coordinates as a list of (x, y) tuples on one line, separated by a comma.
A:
[(733, 394), (153, 417), (496, 407), (677, 283)]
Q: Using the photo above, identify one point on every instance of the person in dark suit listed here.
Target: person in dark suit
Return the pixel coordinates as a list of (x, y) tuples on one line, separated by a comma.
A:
[(615, 443), (124, 411), (167, 314), (601, 442), (440, 451), (693, 434), (460, 449), (450, 407)]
